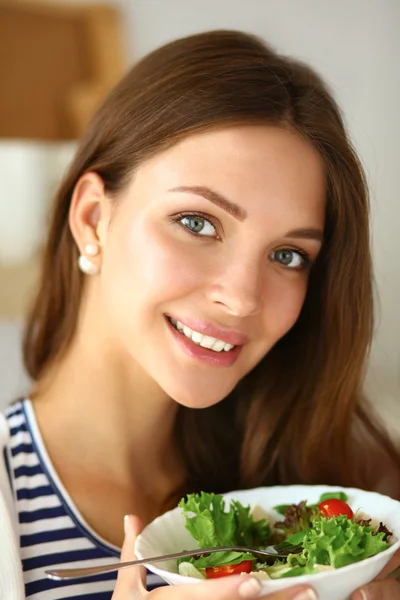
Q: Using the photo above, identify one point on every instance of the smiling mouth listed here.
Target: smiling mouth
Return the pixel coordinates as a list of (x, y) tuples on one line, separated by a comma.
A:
[(205, 341)]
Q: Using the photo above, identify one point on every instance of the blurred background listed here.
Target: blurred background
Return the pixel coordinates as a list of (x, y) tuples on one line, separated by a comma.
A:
[(58, 60)]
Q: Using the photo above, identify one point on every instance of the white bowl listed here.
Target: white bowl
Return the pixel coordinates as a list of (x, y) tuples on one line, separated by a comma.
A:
[(167, 534)]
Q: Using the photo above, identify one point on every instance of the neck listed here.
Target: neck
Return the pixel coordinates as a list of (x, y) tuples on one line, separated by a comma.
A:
[(116, 416)]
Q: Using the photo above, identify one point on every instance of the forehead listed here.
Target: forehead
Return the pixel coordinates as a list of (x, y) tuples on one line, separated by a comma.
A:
[(262, 168)]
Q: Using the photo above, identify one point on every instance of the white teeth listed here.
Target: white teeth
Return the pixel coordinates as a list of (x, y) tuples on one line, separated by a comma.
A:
[(197, 337), (218, 346), (186, 330), (205, 341), (228, 347)]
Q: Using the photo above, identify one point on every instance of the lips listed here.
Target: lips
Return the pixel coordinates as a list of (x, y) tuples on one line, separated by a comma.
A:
[(204, 355), (228, 336)]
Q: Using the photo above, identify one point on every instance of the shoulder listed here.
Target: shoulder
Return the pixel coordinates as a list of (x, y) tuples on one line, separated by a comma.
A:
[(11, 579), (9, 419), (10, 423), (7, 507)]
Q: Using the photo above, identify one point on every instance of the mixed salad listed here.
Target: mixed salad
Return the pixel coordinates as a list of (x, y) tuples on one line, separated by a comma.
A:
[(331, 536)]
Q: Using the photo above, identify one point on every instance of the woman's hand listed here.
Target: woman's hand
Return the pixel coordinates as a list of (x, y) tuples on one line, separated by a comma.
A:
[(131, 583), (382, 588)]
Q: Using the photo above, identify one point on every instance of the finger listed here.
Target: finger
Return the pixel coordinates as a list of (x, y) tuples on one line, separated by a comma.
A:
[(131, 582), (394, 563), (234, 587), (379, 590)]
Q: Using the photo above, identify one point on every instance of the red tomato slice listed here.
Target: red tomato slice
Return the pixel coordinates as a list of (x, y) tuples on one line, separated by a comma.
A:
[(335, 507), (244, 567)]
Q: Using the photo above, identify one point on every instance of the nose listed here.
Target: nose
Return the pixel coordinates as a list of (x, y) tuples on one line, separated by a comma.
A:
[(238, 288)]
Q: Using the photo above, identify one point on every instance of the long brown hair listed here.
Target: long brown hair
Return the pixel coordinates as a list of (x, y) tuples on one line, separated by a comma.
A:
[(295, 417)]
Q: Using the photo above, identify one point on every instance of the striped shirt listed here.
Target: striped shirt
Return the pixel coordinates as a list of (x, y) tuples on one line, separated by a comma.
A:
[(52, 532)]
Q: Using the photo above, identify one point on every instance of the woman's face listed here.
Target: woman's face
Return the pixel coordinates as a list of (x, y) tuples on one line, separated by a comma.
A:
[(206, 261)]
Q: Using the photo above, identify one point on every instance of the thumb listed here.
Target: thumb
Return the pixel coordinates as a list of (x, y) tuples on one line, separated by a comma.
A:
[(131, 582)]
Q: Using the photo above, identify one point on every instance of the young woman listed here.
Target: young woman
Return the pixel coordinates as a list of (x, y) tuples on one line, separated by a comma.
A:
[(203, 318)]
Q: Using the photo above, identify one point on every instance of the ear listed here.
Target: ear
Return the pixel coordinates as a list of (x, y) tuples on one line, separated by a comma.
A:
[(89, 216)]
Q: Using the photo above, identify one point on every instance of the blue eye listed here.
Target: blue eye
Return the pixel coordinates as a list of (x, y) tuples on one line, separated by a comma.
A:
[(292, 259), (198, 225)]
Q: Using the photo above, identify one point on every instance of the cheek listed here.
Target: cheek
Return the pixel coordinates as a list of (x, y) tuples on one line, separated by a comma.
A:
[(150, 268), (284, 301)]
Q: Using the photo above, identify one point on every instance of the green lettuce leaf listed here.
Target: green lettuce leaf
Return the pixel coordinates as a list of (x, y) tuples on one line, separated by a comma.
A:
[(188, 570), (329, 495), (281, 569), (339, 542), (297, 538), (281, 508), (211, 525)]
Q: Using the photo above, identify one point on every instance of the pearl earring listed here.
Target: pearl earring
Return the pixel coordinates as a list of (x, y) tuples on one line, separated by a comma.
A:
[(85, 265), (91, 249)]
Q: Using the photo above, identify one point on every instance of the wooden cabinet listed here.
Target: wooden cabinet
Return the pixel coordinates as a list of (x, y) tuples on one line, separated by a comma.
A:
[(57, 62)]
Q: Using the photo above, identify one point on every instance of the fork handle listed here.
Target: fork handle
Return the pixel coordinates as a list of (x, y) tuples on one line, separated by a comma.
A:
[(61, 574)]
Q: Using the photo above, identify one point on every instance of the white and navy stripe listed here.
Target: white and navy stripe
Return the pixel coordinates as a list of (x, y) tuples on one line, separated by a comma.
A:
[(52, 532)]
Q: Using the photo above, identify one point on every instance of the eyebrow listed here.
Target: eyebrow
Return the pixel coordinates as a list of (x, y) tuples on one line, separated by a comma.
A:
[(305, 233), (230, 207)]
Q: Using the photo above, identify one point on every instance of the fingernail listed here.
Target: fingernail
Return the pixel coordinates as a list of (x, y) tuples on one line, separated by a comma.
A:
[(127, 524), (361, 595), (306, 595), (250, 588)]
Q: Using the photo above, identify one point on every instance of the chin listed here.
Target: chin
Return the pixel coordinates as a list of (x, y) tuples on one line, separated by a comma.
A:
[(196, 399)]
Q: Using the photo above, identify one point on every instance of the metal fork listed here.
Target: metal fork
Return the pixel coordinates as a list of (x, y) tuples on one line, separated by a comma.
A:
[(278, 551)]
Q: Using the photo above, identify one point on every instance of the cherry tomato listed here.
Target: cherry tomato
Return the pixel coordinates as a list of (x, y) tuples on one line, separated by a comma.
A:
[(244, 567), (335, 507)]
